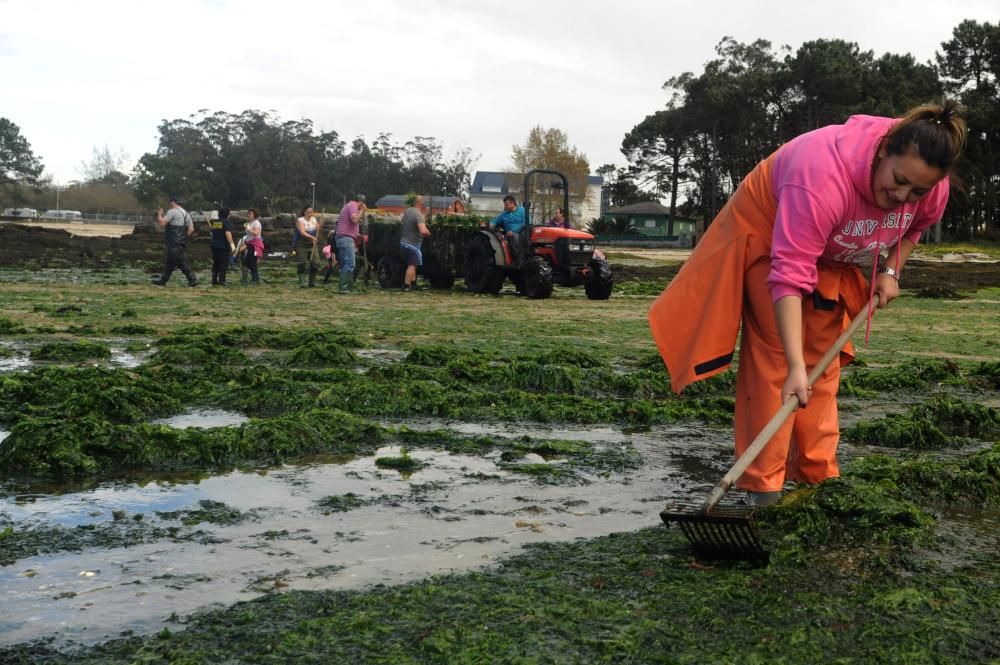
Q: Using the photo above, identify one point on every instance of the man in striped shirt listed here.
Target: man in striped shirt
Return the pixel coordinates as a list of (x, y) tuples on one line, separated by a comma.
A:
[(348, 231)]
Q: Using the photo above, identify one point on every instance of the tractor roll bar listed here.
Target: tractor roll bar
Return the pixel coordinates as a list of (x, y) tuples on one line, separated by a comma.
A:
[(527, 193)]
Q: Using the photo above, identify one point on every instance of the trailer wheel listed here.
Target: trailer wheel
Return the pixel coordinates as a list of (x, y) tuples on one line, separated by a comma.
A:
[(390, 272), (441, 280), (482, 275), (537, 276), (598, 286)]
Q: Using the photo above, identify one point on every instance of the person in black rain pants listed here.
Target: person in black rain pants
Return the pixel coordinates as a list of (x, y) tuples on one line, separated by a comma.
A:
[(223, 246), (178, 227)]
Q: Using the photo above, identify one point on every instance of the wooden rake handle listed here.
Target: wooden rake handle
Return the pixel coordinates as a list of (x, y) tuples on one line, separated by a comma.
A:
[(788, 408)]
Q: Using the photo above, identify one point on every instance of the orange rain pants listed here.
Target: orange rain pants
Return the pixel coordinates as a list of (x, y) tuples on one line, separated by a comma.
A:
[(722, 285)]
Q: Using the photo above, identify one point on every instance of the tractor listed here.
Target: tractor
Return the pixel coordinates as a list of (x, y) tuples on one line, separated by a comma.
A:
[(538, 257)]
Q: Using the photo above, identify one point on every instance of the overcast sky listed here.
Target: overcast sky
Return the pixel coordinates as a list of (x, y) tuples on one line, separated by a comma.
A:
[(77, 74)]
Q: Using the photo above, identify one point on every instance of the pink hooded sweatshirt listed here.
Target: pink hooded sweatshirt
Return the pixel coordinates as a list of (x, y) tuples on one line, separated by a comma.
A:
[(826, 208)]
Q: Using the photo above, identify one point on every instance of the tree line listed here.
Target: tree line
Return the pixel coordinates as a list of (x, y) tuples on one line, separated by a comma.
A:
[(752, 97), (239, 160), (254, 158)]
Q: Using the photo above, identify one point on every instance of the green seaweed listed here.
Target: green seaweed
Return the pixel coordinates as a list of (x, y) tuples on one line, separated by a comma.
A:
[(916, 374), (987, 375), (10, 327), (973, 481), (342, 503), (208, 511), (845, 522), (938, 423), (133, 329), (402, 462), (71, 351), (318, 353)]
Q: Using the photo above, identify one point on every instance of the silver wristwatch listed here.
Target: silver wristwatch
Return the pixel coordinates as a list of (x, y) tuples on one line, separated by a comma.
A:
[(889, 271)]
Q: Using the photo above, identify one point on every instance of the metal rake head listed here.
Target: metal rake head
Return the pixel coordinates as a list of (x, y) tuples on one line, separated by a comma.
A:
[(726, 532)]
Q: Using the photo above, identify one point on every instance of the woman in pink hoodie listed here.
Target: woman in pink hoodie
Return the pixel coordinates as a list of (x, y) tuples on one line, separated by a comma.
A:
[(781, 258)]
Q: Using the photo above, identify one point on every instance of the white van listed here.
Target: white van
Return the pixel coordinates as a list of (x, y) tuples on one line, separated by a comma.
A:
[(23, 213), (62, 214)]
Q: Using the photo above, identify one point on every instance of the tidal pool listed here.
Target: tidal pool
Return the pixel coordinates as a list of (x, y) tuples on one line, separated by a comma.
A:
[(203, 418), (455, 513)]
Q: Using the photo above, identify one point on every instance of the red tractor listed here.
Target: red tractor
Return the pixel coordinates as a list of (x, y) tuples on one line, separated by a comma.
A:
[(538, 257)]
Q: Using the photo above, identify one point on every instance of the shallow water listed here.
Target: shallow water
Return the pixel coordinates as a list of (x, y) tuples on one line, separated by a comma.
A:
[(203, 418), (19, 358), (457, 513)]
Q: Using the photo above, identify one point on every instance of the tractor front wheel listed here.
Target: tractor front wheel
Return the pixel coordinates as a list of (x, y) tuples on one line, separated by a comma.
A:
[(536, 276), (600, 282)]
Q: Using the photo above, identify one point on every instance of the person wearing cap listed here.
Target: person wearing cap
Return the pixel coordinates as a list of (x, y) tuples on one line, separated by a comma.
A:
[(223, 246), (178, 227), (348, 232)]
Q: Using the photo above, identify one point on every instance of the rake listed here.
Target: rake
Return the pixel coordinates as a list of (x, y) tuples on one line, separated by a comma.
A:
[(730, 532)]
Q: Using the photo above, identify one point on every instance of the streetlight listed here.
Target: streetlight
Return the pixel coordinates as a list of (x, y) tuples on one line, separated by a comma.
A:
[(314, 195)]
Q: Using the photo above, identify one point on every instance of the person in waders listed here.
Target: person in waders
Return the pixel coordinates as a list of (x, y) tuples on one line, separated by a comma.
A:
[(782, 258), (178, 227), (348, 233), (307, 246), (223, 246)]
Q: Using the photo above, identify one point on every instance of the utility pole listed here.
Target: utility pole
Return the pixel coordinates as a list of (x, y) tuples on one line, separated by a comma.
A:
[(314, 195)]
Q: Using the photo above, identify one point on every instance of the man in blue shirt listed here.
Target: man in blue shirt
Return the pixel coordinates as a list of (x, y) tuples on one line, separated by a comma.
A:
[(511, 220)]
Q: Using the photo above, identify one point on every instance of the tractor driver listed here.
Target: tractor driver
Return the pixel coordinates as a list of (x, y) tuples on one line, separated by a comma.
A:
[(510, 221)]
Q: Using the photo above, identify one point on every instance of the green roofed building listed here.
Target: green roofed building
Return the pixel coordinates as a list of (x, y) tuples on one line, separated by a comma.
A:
[(653, 220)]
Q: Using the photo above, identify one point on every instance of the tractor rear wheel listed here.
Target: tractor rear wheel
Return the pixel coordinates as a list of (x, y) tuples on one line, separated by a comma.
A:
[(537, 278), (600, 282), (390, 272), (482, 274)]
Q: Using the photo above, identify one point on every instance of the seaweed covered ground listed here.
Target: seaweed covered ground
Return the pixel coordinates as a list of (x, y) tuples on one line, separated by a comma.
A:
[(286, 475)]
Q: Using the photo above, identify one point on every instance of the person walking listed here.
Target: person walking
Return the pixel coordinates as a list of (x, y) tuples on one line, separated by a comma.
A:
[(347, 234), (223, 246), (178, 227), (782, 257), (414, 231), (307, 248)]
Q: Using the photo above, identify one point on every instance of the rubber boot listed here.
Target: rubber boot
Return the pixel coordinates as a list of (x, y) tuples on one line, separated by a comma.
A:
[(345, 282), (312, 277), (763, 498), (302, 277), (244, 275)]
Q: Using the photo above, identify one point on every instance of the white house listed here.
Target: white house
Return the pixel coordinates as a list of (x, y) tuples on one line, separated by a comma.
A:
[(489, 188)]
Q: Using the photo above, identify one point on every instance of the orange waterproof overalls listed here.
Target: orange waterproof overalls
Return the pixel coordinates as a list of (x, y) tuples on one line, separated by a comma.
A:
[(695, 322)]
